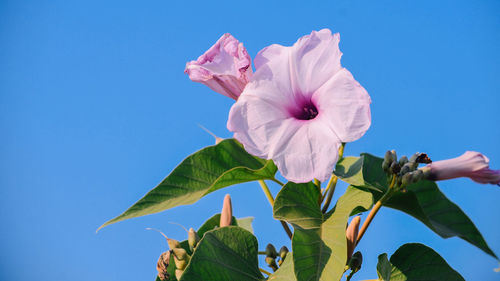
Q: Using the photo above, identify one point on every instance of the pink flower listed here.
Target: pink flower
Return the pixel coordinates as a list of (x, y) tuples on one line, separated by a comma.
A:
[(299, 106), (471, 164), (224, 68)]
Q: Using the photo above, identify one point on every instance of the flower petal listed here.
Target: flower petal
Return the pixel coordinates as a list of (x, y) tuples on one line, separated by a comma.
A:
[(304, 150), (315, 58), (344, 105)]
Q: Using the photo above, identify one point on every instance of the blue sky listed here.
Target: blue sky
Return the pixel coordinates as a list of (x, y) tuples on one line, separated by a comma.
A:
[(95, 110)]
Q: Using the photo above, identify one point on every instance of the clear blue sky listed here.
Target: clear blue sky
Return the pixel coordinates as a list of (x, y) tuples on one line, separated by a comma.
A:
[(95, 110)]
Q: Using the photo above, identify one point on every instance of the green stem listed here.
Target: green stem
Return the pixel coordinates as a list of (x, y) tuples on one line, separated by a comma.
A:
[(375, 209), (269, 196), (277, 181), (332, 183), (265, 271)]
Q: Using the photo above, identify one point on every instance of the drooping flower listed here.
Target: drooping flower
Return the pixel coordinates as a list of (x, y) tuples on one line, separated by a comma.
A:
[(352, 235), (226, 215), (299, 106), (225, 67), (471, 164)]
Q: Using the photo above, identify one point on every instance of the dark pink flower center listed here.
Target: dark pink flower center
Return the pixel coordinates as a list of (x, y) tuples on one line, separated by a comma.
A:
[(306, 110)]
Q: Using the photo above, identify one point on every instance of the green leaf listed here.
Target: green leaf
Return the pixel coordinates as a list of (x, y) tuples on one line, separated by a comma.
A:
[(364, 171), (285, 272), (245, 223), (384, 268), (203, 172), (423, 200), (415, 262), (319, 242), (224, 254)]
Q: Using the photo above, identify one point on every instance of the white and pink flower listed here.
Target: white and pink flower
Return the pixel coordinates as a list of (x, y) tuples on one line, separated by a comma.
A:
[(299, 106)]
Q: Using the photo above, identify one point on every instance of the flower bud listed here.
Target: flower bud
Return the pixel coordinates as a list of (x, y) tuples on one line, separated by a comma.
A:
[(283, 252), (407, 179), (226, 215), (473, 165), (193, 239), (172, 243), (162, 266), (225, 67), (395, 168), (417, 175), (271, 251), (352, 235), (356, 261), (272, 263), (181, 258), (423, 158), (388, 159), (403, 160)]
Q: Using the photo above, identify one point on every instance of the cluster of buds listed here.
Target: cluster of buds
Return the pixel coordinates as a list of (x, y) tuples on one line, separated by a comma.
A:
[(405, 170), (180, 255), (272, 255)]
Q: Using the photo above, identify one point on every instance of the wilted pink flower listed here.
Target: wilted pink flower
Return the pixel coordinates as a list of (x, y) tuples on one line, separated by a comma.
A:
[(352, 235), (299, 106), (226, 215), (471, 164), (225, 67)]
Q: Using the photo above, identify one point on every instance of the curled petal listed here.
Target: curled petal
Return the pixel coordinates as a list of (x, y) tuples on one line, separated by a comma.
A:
[(224, 68)]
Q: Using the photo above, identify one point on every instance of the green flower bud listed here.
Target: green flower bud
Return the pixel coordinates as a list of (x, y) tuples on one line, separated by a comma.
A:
[(356, 261), (271, 251), (403, 160), (394, 155), (172, 243), (414, 157), (407, 179), (283, 252), (181, 258), (387, 161), (193, 239), (272, 263), (417, 175), (395, 168), (405, 169)]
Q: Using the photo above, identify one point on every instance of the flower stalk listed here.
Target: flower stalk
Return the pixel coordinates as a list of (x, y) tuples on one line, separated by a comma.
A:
[(270, 198), (332, 183), (376, 208)]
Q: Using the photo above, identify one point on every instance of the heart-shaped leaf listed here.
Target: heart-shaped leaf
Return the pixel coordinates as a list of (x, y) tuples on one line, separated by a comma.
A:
[(225, 254), (319, 241), (415, 262), (203, 172)]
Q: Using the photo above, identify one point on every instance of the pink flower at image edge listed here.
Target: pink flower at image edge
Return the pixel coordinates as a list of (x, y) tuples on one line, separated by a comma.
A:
[(224, 68), (299, 106), (471, 164)]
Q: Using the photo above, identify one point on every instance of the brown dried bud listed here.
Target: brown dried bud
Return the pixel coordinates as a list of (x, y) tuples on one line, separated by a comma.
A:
[(352, 235), (226, 215), (162, 266)]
